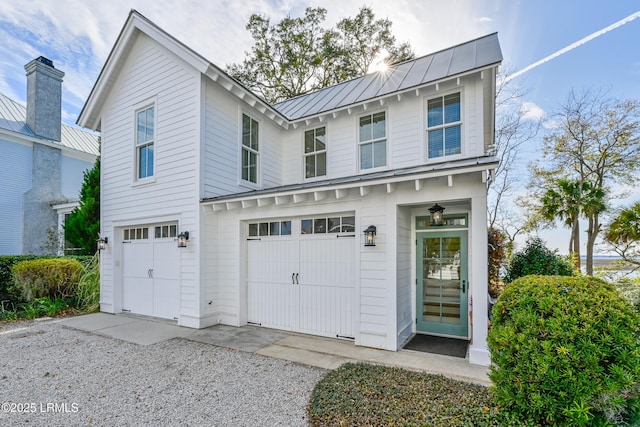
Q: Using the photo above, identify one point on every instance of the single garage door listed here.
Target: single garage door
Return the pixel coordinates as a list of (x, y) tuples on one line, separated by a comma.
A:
[(301, 275), (151, 271)]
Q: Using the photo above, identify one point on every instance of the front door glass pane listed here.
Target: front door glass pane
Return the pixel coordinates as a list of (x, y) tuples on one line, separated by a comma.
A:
[(441, 297)]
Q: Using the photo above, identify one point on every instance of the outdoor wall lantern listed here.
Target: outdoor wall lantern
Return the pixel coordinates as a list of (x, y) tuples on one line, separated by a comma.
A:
[(436, 215), (370, 236), (182, 239), (102, 243)]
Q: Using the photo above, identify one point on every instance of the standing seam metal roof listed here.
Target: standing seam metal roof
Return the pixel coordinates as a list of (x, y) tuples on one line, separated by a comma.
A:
[(13, 117), (475, 54)]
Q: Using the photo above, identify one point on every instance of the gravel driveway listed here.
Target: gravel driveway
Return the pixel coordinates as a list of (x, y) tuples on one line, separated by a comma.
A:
[(55, 376)]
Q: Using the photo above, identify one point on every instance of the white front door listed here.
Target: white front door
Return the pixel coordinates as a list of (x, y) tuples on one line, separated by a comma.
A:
[(302, 282), (151, 271)]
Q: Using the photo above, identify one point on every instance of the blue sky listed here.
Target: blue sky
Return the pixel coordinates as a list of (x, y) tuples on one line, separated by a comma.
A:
[(78, 35)]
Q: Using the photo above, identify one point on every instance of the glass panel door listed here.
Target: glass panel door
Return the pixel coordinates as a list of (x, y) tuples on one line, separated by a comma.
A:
[(441, 295)]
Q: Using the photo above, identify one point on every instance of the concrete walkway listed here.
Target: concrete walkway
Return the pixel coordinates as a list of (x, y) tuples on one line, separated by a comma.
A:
[(328, 353)]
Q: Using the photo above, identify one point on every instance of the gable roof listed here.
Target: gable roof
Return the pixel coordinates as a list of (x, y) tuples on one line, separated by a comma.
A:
[(472, 56), (13, 117), (454, 61)]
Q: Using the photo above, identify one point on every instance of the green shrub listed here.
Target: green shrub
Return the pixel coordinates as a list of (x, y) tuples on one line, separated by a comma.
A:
[(536, 258), (566, 351), (53, 278), (6, 275)]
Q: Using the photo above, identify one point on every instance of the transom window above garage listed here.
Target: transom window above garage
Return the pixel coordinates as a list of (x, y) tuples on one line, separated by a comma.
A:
[(140, 233), (273, 228), (338, 224), (166, 231)]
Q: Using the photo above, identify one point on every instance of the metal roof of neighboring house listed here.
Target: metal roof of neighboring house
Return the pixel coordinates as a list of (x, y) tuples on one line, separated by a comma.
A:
[(13, 117), (472, 55)]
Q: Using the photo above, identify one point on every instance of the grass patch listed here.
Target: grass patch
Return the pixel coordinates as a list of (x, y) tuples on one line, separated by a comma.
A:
[(359, 394)]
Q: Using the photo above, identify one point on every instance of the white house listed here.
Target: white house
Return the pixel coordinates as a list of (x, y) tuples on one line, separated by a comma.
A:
[(42, 162), (275, 198)]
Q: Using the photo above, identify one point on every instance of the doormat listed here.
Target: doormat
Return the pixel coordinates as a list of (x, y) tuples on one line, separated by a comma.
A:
[(438, 345)]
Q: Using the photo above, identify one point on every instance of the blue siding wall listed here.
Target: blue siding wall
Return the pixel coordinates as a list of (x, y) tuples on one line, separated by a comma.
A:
[(15, 179), (72, 176)]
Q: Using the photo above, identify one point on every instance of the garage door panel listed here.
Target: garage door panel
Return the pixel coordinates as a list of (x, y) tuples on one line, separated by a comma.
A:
[(166, 296), (326, 310), (166, 260), (138, 259), (136, 296), (327, 262), (272, 304), (319, 299), (272, 261), (151, 277)]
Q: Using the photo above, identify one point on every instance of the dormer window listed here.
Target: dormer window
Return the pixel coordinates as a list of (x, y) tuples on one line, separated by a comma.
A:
[(444, 135)]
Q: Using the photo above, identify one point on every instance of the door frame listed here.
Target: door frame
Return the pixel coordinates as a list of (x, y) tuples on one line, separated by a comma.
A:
[(460, 331)]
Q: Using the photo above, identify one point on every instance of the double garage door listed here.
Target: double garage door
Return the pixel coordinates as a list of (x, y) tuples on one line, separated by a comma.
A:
[(151, 271), (301, 275)]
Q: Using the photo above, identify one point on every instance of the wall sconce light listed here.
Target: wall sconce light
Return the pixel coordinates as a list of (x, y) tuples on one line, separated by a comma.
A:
[(102, 243), (436, 215), (370, 236), (182, 239)]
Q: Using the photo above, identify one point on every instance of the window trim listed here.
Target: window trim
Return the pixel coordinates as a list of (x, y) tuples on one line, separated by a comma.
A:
[(241, 180), (371, 141), (137, 146), (461, 122), (315, 154)]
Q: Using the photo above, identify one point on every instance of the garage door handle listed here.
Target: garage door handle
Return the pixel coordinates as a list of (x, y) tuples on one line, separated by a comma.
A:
[(297, 277), (293, 280)]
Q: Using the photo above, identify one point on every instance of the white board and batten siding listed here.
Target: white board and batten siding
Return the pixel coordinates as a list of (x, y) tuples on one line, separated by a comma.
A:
[(152, 76)]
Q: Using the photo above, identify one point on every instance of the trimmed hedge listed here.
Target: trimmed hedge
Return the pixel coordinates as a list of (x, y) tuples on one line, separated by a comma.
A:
[(566, 351), (53, 278), (6, 275)]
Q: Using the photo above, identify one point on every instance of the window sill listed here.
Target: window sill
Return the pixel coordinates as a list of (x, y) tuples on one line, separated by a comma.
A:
[(143, 182), (248, 184)]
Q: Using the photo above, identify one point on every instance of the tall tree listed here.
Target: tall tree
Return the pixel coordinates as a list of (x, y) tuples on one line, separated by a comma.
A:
[(623, 235), (566, 200), (297, 55), (596, 140), (515, 125), (82, 227)]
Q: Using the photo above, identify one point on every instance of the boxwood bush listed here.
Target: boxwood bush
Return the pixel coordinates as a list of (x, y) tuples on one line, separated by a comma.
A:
[(53, 278), (566, 351)]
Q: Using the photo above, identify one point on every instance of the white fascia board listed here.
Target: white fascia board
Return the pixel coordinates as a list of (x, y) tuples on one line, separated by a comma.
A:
[(90, 116), (362, 186)]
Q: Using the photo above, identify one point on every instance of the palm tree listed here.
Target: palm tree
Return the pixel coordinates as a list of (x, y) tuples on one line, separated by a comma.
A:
[(570, 200)]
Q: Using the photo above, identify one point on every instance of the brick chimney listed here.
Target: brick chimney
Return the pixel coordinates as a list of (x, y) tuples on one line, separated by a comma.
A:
[(44, 98)]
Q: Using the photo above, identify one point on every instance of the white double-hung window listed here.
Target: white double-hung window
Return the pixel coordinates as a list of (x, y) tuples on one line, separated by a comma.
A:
[(250, 153), (315, 153), (372, 140), (444, 126), (145, 125)]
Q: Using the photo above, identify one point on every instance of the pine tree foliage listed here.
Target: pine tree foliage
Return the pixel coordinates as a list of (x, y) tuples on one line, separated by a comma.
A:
[(82, 227)]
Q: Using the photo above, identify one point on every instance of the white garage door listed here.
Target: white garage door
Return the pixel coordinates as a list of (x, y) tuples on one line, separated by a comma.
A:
[(151, 271), (303, 279)]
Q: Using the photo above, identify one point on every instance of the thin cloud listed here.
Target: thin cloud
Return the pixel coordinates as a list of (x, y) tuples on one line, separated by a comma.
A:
[(574, 45)]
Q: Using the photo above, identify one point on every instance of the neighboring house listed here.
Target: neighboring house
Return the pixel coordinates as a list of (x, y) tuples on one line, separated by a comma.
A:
[(41, 164), (275, 198)]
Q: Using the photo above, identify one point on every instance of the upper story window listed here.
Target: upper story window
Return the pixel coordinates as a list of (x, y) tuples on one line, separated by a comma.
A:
[(250, 154), (372, 140), (444, 126), (145, 125), (315, 153)]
